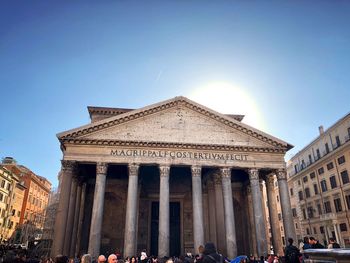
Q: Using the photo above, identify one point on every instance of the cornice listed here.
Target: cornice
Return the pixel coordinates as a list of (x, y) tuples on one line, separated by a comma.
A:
[(149, 110), (184, 146)]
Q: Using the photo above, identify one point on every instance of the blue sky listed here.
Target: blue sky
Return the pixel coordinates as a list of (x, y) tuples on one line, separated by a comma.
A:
[(291, 58)]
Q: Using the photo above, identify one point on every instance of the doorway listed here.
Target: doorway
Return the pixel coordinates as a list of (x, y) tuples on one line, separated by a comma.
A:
[(174, 213)]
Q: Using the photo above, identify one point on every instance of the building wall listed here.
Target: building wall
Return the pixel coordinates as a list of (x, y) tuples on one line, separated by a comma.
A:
[(320, 187)]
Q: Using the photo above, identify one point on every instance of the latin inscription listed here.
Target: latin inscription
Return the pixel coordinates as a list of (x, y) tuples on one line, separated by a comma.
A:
[(179, 155)]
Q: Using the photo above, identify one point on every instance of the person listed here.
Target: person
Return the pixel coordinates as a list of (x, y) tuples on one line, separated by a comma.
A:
[(333, 243), (112, 258), (306, 244), (143, 257), (292, 252), (211, 255), (61, 259), (101, 259), (314, 243), (86, 258)]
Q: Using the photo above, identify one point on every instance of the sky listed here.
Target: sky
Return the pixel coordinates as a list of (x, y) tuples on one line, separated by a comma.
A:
[(283, 64)]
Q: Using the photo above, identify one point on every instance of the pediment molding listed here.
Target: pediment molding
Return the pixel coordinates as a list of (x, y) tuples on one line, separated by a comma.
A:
[(74, 134)]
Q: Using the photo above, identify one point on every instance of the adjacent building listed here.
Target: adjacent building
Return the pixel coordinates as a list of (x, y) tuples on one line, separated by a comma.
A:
[(319, 185), (35, 199)]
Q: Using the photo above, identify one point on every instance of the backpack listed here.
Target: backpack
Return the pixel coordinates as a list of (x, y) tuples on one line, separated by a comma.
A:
[(293, 255)]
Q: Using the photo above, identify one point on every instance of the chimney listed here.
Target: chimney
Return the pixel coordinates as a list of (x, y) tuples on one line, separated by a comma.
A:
[(321, 130)]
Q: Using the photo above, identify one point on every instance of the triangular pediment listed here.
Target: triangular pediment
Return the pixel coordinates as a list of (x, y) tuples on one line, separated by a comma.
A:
[(178, 120)]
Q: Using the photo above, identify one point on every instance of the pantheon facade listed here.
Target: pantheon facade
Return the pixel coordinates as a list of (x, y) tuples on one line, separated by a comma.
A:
[(168, 178)]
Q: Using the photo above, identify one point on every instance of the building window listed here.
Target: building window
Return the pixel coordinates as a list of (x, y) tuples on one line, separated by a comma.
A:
[(345, 177), (307, 231), (310, 212), (322, 229), (333, 182), (337, 205), (300, 194), (305, 179), (310, 159), (291, 191), (337, 140), (324, 185), (307, 192), (315, 189), (315, 232), (279, 216), (312, 175), (341, 159), (319, 209), (1, 197), (320, 171), (327, 207), (296, 169), (304, 214), (330, 166), (294, 212), (296, 226), (347, 197), (3, 183), (327, 147), (343, 227), (8, 186), (318, 154)]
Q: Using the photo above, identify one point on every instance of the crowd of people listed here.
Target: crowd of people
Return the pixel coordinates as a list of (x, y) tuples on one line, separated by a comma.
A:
[(208, 254)]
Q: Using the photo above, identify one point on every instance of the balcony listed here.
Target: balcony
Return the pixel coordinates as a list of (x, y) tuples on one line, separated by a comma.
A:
[(329, 216)]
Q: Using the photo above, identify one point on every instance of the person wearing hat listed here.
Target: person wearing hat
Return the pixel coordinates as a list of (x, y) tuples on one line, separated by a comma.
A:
[(211, 255)]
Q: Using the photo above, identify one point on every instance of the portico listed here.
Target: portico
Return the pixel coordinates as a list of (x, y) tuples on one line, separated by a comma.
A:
[(166, 178)]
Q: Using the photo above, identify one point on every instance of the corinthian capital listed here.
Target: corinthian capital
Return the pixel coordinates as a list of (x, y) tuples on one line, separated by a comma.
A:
[(196, 171), (133, 169), (281, 174), (68, 166), (101, 168), (164, 170), (225, 172), (253, 174)]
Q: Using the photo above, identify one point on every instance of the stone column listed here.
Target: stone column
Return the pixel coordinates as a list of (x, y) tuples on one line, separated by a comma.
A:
[(272, 205), (336, 233), (258, 212), (81, 218), (67, 171), (76, 220), (251, 230), (197, 206), (231, 244), (97, 210), (212, 211), (131, 212), (70, 218), (219, 214), (164, 218), (287, 215)]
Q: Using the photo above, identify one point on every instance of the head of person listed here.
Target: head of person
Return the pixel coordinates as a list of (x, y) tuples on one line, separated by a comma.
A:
[(86, 258), (101, 259), (290, 241), (312, 240), (112, 258), (133, 259), (209, 248), (306, 240), (61, 259), (331, 240)]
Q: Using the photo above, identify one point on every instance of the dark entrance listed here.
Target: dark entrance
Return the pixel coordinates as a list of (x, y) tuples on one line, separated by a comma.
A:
[(175, 245)]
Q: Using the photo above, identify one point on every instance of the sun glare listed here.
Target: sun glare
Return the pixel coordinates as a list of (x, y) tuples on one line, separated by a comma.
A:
[(229, 99)]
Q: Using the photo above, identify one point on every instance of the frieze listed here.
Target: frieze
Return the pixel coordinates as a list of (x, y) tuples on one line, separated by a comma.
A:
[(157, 144), (178, 154)]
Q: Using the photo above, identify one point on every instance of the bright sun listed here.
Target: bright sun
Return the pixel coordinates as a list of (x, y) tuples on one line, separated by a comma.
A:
[(229, 99)]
